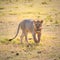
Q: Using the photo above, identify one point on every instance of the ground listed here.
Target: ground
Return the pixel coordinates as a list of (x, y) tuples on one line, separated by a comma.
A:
[(47, 49), (12, 12)]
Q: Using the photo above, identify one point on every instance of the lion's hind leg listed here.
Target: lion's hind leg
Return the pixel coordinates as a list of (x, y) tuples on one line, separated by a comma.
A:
[(21, 37)]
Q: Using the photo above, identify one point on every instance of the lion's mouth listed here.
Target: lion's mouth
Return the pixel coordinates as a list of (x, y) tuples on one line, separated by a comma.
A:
[(38, 30)]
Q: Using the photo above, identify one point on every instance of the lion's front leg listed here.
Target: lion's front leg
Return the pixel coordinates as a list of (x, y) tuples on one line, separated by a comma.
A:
[(39, 36), (36, 38)]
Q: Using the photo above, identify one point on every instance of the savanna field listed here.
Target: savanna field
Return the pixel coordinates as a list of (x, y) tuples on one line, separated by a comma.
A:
[(14, 11)]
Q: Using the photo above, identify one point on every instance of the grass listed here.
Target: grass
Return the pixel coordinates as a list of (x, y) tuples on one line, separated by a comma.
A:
[(49, 46), (2, 8), (46, 49)]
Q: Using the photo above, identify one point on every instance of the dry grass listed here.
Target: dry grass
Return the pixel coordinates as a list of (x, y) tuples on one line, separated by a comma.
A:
[(47, 49), (12, 12)]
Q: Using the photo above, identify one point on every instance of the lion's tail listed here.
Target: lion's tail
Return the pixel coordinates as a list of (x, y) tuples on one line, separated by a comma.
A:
[(16, 33)]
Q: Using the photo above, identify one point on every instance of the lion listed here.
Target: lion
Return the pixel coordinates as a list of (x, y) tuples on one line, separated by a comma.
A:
[(28, 25)]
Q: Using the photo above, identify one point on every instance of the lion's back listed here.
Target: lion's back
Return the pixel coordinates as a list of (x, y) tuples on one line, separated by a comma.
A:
[(27, 24)]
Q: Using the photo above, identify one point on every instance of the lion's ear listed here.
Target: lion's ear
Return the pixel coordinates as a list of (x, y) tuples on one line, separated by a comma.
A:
[(41, 21)]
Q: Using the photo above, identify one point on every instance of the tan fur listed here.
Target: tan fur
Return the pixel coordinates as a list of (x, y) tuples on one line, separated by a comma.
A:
[(33, 27)]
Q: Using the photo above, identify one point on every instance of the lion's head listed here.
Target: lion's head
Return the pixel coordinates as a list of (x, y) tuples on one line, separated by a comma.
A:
[(38, 25)]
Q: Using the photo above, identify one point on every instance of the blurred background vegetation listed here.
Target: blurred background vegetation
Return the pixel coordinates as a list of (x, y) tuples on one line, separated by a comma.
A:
[(14, 11)]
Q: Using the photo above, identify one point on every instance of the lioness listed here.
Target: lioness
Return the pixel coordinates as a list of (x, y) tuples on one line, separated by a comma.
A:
[(29, 26)]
